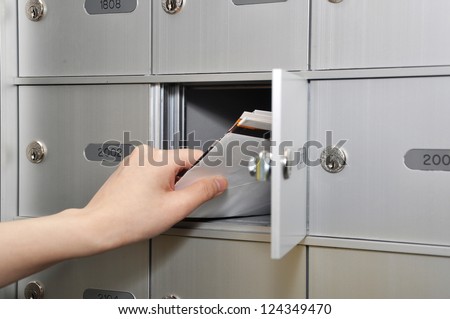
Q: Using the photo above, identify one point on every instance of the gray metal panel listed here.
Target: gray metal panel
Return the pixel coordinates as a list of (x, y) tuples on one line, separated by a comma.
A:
[(8, 109), (372, 245), (125, 269), (69, 41), (218, 36), (379, 33), (211, 268), (376, 196), (66, 119), (8, 117), (341, 273), (236, 78), (8, 292)]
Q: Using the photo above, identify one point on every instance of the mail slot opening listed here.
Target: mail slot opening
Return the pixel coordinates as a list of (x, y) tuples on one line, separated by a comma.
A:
[(206, 115)]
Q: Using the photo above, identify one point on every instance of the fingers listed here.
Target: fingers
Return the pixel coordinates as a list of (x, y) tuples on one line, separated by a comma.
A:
[(185, 158), (201, 191), (180, 159)]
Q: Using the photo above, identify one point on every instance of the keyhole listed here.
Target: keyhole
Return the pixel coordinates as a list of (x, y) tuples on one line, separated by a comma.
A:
[(34, 12), (33, 155), (331, 162), (170, 5)]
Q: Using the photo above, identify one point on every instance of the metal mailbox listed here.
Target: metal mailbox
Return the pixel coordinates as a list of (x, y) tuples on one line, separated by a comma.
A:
[(352, 34), (206, 36), (66, 121), (384, 126), (84, 37)]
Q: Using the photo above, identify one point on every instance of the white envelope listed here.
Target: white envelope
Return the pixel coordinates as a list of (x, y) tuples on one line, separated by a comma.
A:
[(245, 195)]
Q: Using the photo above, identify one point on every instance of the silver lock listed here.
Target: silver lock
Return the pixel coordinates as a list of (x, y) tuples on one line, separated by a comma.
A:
[(34, 290), (259, 166), (35, 9), (36, 152), (335, 1), (333, 159), (172, 6)]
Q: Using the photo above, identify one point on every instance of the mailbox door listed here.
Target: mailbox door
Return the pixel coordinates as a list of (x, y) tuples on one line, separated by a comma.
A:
[(67, 120), (69, 41), (379, 33), (289, 185)]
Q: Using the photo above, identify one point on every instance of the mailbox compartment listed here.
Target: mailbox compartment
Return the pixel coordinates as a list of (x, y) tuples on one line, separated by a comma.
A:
[(377, 196), (68, 41), (346, 273), (379, 33), (219, 36), (119, 274), (190, 267), (66, 119), (210, 111)]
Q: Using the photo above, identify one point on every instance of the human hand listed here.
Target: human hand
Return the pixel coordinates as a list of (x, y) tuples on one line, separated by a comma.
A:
[(139, 200)]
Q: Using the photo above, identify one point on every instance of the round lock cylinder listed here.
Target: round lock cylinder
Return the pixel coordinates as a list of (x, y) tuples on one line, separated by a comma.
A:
[(172, 6), (34, 290), (35, 10), (333, 159), (36, 152)]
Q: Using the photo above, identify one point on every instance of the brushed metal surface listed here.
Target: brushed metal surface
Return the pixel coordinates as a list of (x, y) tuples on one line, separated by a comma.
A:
[(342, 273), (211, 268), (9, 118), (69, 41), (379, 33), (376, 196), (218, 36), (71, 117), (289, 127), (124, 269)]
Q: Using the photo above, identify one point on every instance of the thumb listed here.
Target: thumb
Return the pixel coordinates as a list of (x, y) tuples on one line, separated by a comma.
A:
[(201, 191)]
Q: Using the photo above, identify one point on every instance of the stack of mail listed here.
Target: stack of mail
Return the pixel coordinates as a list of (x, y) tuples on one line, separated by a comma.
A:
[(230, 157)]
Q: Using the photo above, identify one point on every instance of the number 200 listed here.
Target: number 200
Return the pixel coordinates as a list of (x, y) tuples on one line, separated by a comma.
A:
[(110, 4), (436, 160)]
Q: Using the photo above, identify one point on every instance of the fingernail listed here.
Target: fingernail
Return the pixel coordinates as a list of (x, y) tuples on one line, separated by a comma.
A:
[(221, 183)]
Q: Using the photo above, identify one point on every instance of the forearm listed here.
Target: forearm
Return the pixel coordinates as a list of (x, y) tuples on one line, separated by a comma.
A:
[(30, 245), (137, 202)]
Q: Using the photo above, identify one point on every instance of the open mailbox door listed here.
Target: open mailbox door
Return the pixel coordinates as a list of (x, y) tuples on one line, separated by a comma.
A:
[(289, 173)]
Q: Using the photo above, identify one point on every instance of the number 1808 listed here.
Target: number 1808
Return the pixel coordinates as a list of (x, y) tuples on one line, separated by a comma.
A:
[(110, 4)]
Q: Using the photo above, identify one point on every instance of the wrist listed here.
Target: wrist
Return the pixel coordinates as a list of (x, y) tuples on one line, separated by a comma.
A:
[(87, 231), (102, 230)]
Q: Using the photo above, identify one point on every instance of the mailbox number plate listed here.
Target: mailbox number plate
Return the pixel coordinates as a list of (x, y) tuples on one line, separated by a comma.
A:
[(110, 6), (106, 294), (110, 154), (428, 159)]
